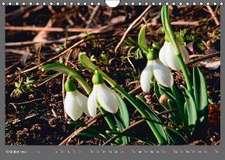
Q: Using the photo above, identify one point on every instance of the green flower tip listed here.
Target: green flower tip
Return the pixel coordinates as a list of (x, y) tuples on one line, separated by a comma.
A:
[(152, 54), (81, 54), (167, 39), (69, 85), (97, 78), (156, 45)]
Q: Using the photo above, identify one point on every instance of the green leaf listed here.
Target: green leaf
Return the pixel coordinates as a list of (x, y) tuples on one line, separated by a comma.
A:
[(142, 39), (176, 137), (156, 124), (200, 90), (179, 100), (190, 110), (86, 61), (123, 112), (59, 67), (173, 106), (91, 132), (124, 139), (156, 90), (115, 125), (167, 91)]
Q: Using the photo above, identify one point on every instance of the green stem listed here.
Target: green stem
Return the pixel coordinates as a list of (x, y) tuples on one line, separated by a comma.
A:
[(59, 67), (186, 72), (170, 34), (108, 119)]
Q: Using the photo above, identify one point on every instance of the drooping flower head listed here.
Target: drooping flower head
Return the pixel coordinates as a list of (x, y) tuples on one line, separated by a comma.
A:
[(75, 103), (101, 96), (168, 57), (155, 70)]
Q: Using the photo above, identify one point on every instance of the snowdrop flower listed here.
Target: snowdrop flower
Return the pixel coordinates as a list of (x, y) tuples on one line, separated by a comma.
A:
[(102, 96), (75, 103), (155, 70), (168, 57)]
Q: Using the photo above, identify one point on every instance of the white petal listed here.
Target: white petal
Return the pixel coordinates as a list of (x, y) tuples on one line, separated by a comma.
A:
[(106, 98), (163, 51), (92, 103), (162, 74), (146, 77), (82, 100), (72, 107), (167, 56)]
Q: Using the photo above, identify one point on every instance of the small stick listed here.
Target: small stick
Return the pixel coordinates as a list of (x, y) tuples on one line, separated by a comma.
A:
[(59, 55), (62, 40), (79, 130), (125, 130), (185, 23), (130, 27), (48, 29), (21, 52), (27, 102), (92, 16), (204, 58), (213, 15)]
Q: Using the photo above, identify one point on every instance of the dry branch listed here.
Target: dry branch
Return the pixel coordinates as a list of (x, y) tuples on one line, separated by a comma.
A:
[(130, 27), (79, 130)]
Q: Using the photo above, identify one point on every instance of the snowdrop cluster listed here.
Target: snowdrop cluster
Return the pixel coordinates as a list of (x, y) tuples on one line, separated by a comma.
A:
[(159, 68), (75, 103)]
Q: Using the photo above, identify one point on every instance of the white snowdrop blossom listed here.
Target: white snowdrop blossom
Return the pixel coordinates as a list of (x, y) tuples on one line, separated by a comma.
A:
[(168, 57), (102, 96), (75, 103), (155, 70)]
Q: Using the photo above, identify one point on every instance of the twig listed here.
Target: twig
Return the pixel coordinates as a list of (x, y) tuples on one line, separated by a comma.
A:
[(45, 81), (59, 55), (125, 130), (21, 52), (62, 40), (27, 102), (17, 12), (130, 27), (79, 130), (48, 29), (185, 23), (178, 23), (92, 16), (204, 58), (213, 15)]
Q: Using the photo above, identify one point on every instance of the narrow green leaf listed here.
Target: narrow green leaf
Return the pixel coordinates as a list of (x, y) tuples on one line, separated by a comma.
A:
[(190, 110), (156, 124), (124, 139), (142, 39), (196, 86), (203, 92), (176, 137), (200, 93), (59, 67), (179, 100), (173, 106), (123, 112), (156, 90)]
